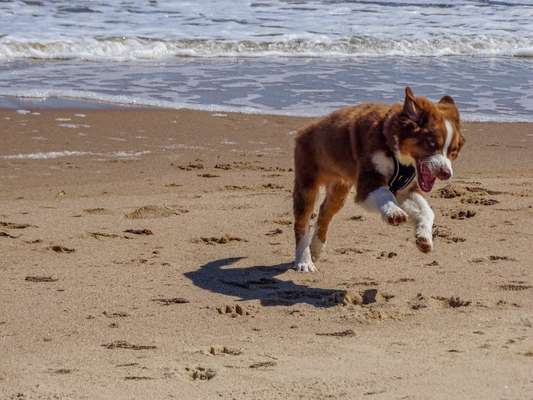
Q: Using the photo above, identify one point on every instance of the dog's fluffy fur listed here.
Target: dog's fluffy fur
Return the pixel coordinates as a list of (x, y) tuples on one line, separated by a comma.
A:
[(357, 146)]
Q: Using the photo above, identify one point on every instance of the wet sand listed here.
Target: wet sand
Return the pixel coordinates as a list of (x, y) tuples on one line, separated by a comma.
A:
[(154, 262)]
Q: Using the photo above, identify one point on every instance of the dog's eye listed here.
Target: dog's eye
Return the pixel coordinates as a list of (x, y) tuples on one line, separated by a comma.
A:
[(430, 143), (453, 154)]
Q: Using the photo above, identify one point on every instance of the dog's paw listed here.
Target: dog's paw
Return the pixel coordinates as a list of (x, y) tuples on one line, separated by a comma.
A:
[(305, 266), (424, 244), (316, 248), (395, 216)]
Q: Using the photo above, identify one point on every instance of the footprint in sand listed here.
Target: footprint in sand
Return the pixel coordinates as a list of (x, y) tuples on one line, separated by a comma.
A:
[(142, 231), (138, 378), (233, 311), (274, 186), (349, 250), (263, 364), (119, 314), (445, 233), (450, 192), (169, 301), (282, 221), (201, 373), (349, 297), (122, 344), (63, 371), (501, 258), (173, 185), (222, 350), (61, 249), (476, 195), (345, 333), (483, 201), (14, 225), (240, 165), (453, 301), (225, 167), (385, 254), (482, 190), (224, 239), (7, 235), (103, 235), (190, 166), (237, 187), (460, 214), (97, 211), (40, 279), (274, 232), (418, 302), (515, 286), (154, 212)]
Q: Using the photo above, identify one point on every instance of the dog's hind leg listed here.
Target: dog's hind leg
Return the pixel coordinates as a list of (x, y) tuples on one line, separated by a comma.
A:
[(336, 195), (304, 198)]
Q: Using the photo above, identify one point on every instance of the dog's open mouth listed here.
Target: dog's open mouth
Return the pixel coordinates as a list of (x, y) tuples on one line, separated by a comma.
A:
[(426, 179)]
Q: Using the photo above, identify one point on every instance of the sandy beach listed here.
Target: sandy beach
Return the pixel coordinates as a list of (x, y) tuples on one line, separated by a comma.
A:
[(146, 254)]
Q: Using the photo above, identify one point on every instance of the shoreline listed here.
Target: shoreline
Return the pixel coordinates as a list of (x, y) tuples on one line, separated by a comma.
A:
[(78, 103)]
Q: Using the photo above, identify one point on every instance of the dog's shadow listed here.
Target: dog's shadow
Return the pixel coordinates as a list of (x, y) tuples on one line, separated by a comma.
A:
[(258, 283)]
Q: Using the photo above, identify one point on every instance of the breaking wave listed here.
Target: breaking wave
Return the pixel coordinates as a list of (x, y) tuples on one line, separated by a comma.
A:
[(137, 48)]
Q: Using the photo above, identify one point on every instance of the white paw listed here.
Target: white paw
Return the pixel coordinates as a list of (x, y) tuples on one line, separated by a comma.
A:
[(316, 248), (305, 266), (395, 215), (424, 243)]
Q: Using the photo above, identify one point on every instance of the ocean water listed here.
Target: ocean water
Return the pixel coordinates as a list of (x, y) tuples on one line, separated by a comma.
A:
[(284, 57)]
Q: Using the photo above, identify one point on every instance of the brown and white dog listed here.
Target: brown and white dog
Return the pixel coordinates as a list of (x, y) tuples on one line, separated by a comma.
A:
[(380, 149)]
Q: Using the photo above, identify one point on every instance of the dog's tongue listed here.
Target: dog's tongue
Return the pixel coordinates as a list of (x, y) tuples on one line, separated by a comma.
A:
[(425, 177)]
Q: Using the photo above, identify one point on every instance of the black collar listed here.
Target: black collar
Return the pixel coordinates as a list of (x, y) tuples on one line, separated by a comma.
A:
[(402, 176)]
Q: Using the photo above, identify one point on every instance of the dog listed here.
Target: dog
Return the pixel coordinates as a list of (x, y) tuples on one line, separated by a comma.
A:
[(390, 153)]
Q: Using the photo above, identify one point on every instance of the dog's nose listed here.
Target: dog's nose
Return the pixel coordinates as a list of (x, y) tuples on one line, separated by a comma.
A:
[(444, 174)]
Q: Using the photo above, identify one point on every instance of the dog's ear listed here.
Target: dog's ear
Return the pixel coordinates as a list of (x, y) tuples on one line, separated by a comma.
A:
[(462, 141), (447, 100), (410, 108)]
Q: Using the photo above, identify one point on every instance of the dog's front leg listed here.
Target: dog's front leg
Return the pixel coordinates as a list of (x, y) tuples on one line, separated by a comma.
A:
[(417, 206), (385, 202)]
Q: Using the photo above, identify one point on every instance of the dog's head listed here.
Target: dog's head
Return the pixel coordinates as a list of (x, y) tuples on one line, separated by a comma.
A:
[(428, 136)]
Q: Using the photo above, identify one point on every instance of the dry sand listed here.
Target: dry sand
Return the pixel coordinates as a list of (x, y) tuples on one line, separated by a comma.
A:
[(199, 301)]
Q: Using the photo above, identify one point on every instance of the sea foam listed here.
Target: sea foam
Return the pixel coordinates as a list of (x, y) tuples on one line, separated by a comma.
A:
[(70, 153), (312, 46)]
